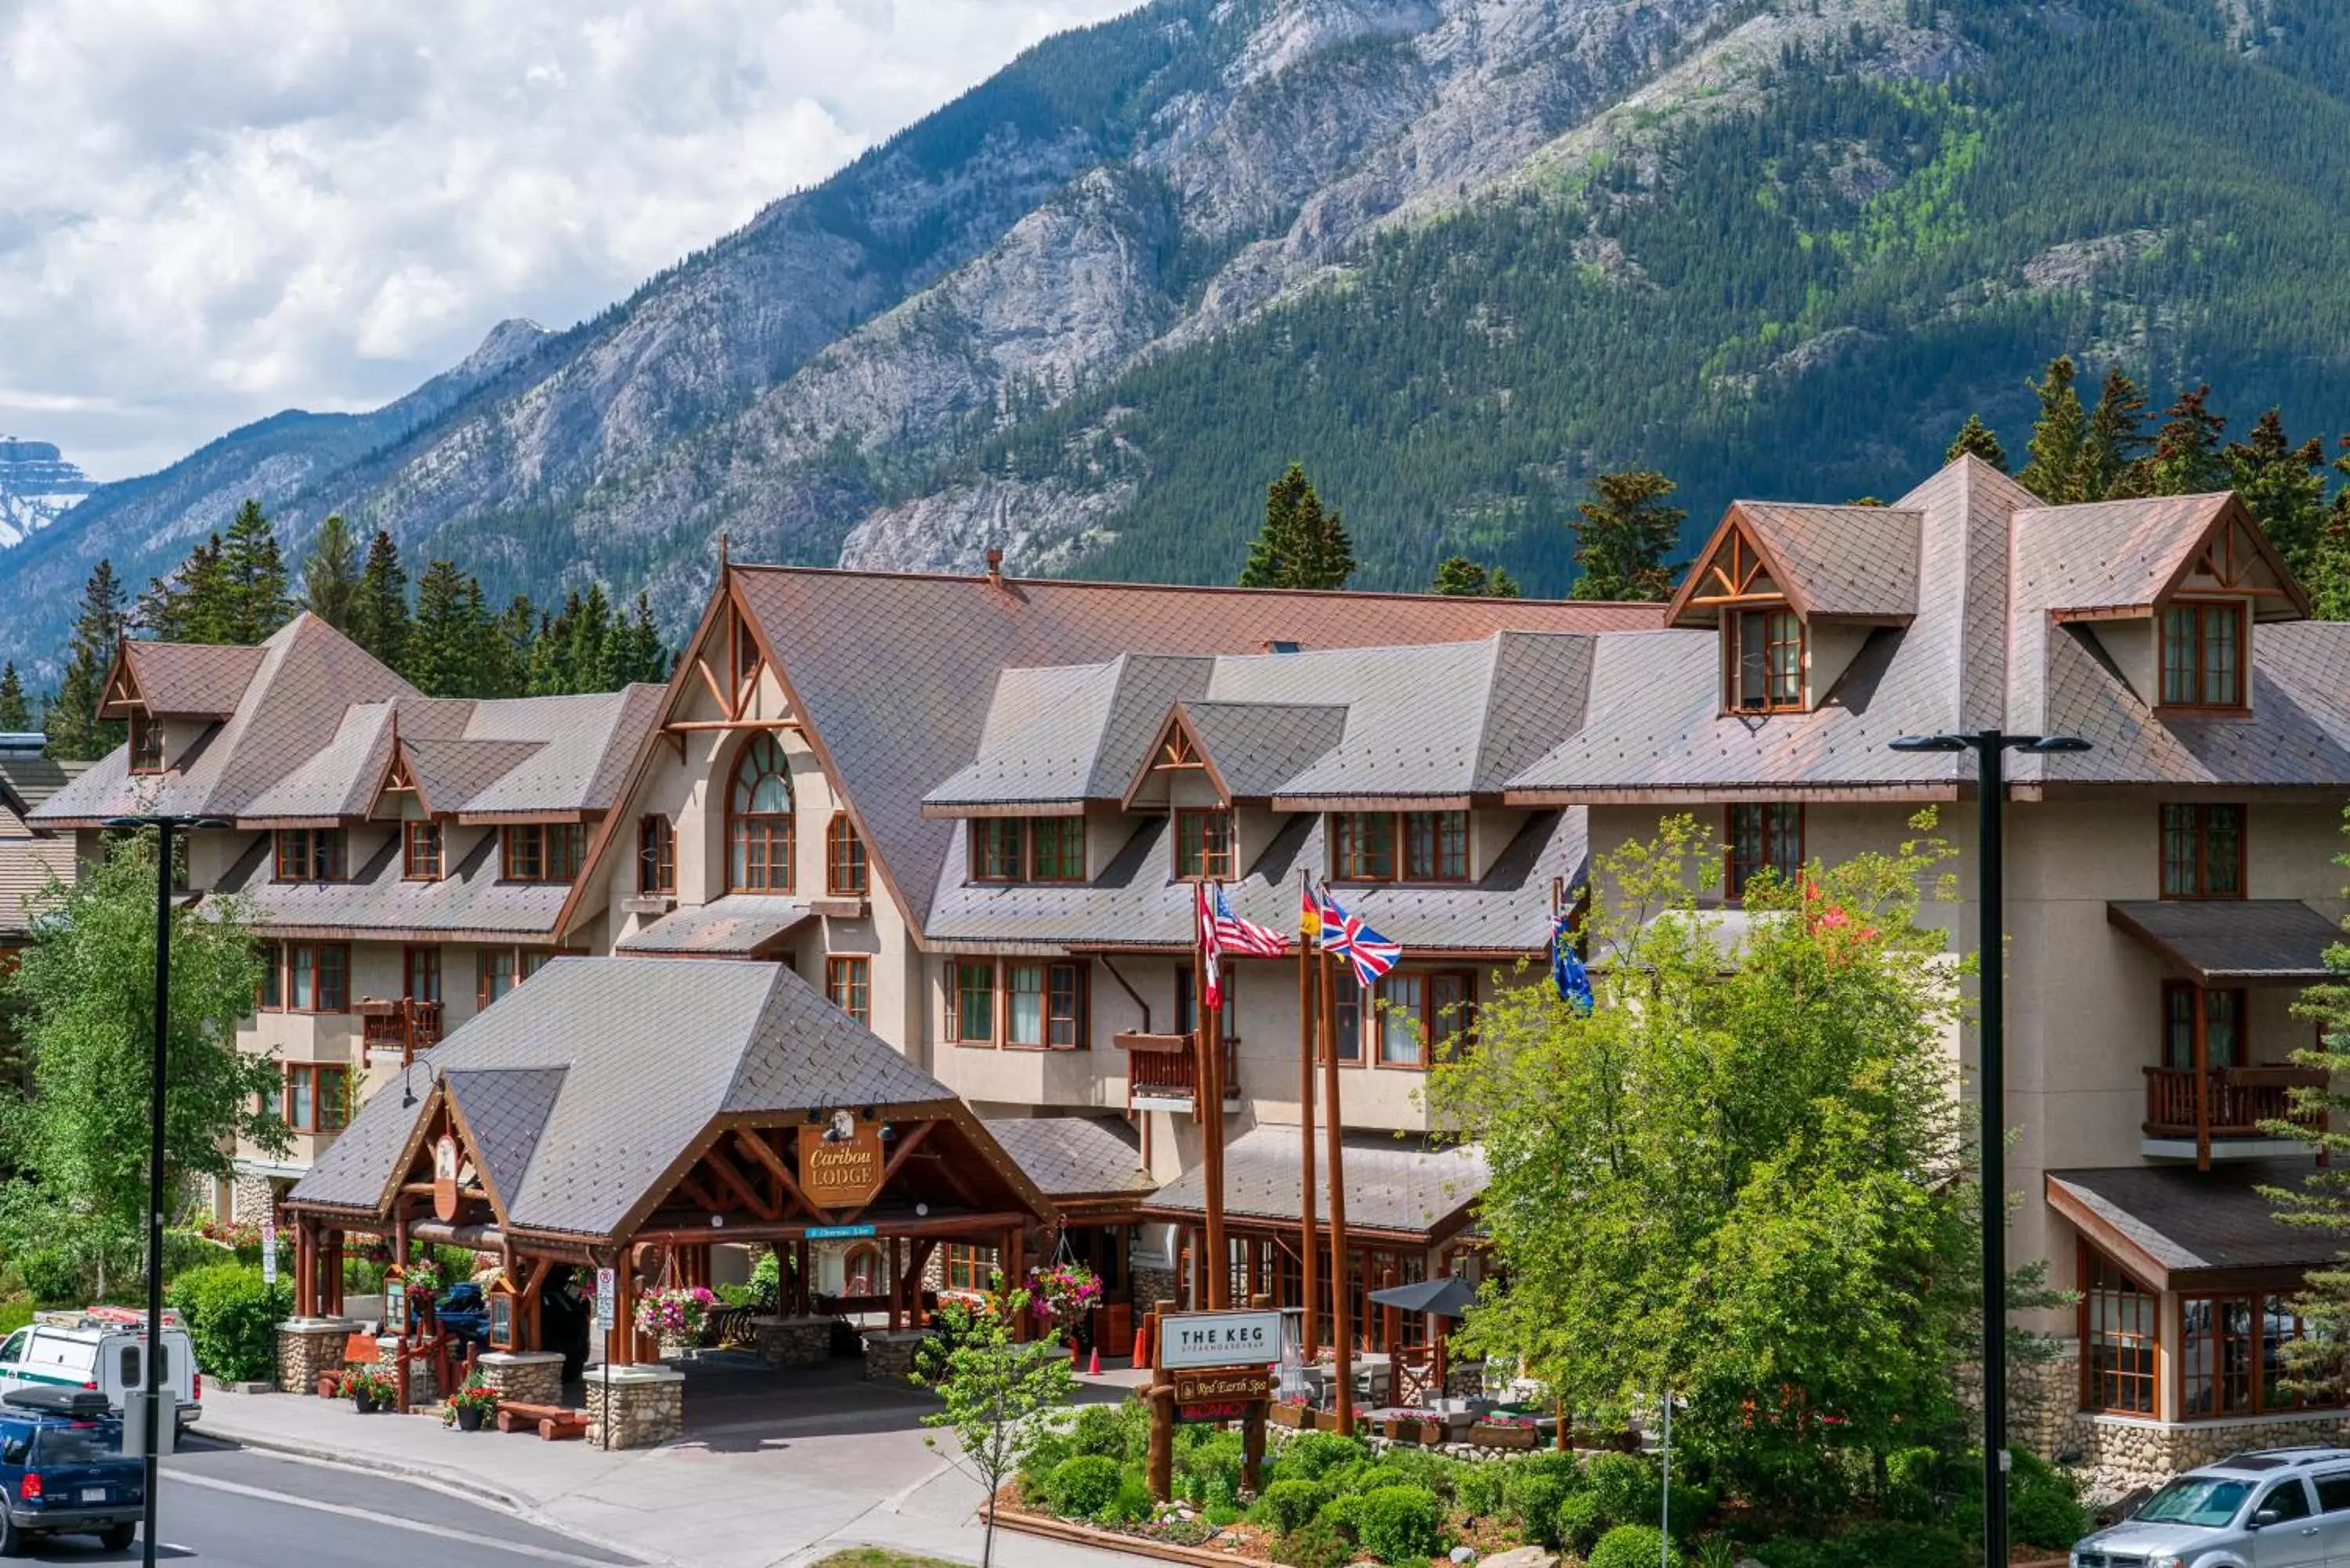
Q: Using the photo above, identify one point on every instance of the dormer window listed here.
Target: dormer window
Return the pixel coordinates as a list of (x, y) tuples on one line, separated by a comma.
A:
[(1766, 660), (421, 852), (1028, 849), (146, 743), (1400, 846), (1203, 844), (2203, 655), (544, 851), (311, 855)]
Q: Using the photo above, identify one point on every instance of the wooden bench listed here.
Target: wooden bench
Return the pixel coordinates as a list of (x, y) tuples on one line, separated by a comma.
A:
[(552, 1422)]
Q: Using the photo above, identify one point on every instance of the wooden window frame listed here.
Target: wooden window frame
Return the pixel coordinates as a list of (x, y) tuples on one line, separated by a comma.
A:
[(1424, 1015), (977, 1266), (996, 866), (1074, 826), (269, 992), (2089, 1260), (316, 1074), (147, 745), (486, 967), (1078, 1018), (1347, 1043), (318, 970), (1735, 873), (656, 853), (311, 855), (423, 852), (1061, 978), (957, 990), (421, 961), (1187, 999), (848, 985), (2198, 818), (1774, 637), (2196, 664), (847, 871), (1349, 862), (2243, 1006), (541, 852), (2259, 1303), (775, 832), (1212, 865)]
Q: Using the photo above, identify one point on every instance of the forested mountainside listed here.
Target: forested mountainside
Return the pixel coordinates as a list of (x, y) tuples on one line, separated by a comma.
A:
[(1456, 255)]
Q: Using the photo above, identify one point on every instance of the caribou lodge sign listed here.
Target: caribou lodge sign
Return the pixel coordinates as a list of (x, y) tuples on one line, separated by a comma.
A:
[(840, 1162)]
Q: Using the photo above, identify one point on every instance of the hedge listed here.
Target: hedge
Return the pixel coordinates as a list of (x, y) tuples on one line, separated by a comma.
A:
[(232, 1319)]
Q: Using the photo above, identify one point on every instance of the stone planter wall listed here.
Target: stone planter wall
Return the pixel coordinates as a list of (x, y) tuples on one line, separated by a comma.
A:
[(890, 1357), (647, 1408), (525, 1377), (793, 1341), (308, 1347), (2118, 1455), (1152, 1285)]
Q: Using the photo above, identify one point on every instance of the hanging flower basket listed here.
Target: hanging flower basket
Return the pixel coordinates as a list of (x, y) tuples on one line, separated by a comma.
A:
[(423, 1281), (675, 1316), (1064, 1293)]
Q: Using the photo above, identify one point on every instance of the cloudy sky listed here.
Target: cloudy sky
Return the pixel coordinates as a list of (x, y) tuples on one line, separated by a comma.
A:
[(211, 210)]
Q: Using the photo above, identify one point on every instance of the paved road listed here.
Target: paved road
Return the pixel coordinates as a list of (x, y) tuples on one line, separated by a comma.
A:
[(231, 1508)]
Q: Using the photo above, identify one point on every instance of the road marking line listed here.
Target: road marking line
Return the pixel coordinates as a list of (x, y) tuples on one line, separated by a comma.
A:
[(520, 1548)]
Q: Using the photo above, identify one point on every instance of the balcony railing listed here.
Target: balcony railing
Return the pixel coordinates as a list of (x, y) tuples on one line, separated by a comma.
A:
[(2235, 1101), (1163, 1068), (398, 1023)]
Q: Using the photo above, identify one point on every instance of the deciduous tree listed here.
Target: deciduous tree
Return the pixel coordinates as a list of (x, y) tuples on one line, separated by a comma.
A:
[(993, 1385), (1627, 530)]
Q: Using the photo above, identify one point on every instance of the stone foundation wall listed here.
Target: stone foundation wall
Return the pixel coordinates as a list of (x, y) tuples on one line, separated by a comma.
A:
[(890, 1357), (647, 1408), (249, 1198), (525, 1377), (793, 1341), (1153, 1283), (2117, 1455), (307, 1349)]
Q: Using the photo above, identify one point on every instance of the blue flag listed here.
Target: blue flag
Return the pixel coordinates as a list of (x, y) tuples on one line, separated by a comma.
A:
[(1565, 967)]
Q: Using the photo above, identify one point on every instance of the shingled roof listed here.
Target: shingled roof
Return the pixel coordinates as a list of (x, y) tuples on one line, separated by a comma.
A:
[(2172, 1224), (1403, 1190), (1076, 1156)]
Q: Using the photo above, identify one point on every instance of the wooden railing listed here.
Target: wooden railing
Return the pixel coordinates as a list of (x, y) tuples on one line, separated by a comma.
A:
[(1164, 1067), (2236, 1100), (399, 1023)]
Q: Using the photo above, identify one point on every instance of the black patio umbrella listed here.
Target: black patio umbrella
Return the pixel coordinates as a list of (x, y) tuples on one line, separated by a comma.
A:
[(1449, 1296)]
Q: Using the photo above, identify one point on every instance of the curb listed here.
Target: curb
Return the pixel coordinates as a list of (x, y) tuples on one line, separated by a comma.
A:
[(344, 1459)]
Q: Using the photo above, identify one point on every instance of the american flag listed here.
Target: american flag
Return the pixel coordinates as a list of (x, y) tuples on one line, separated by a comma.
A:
[(1343, 934), (1221, 932)]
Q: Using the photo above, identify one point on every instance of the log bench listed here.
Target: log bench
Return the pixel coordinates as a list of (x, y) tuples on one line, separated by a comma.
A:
[(552, 1422)]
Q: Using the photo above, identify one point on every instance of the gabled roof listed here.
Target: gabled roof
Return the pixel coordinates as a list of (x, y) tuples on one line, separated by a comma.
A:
[(1076, 1156), (1397, 1189), (2233, 941), (469, 900), (1251, 749), (179, 680), (1853, 564), (2173, 1226), (2127, 556), (26, 781), (1065, 735)]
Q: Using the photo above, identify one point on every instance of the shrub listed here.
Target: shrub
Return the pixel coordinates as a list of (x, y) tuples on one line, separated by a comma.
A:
[(1536, 1486), (1083, 1485), (1132, 1504), (51, 1276), (1914, 1479), (1288, 1506), (1482, 1491), (1627, 1487), (767, 1282), (1207, 1468), (1633, 1546), (232, 1319), (1399, 1524), (1440, 1473), (186, 1250), (1793, 1551), (1891, 1543), (1099, 1430), (1575, 1524), (1317, 1545), (2046, 1510), (1310, 1456), (1691, 1505), (1045, 1451)]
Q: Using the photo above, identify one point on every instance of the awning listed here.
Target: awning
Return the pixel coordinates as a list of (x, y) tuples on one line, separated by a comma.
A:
[(2176, 1228), (2233, 941), (1393, 1191), (740, 925)]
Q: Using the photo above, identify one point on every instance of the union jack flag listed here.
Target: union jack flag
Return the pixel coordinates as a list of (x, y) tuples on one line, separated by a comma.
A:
[(1221, 932), (1346, 935)]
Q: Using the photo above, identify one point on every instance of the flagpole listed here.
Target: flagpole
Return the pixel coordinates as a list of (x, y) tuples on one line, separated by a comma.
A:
[(1342, 1326), (1208, 1088), (1307, 1198)]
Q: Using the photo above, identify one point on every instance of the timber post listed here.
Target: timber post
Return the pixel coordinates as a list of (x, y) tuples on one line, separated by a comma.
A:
[(1253, 1425), (1161, 1396)]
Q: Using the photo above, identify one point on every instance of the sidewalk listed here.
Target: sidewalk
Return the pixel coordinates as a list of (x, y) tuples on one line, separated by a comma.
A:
[(782, 1492)]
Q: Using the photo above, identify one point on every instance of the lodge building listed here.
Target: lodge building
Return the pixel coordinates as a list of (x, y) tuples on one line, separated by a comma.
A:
[(966, 813)]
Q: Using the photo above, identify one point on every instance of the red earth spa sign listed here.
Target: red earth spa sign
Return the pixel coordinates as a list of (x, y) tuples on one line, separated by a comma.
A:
[(1215, 1339), (840, 1163)]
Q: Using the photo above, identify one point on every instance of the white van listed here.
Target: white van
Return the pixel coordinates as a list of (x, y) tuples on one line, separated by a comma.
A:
[(99, 1347)]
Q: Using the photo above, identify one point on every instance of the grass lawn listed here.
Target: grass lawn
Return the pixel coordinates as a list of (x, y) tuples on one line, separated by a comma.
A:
[(875, 1557)]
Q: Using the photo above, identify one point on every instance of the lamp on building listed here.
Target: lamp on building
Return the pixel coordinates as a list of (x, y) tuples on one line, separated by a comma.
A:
[(1990, 748), (164, 824), (408, 1081)]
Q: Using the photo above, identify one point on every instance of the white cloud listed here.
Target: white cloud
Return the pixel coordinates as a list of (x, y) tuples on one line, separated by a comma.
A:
[(214, 209)]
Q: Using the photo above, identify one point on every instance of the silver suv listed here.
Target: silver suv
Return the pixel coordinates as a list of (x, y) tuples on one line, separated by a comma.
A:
[(2277, 1508)]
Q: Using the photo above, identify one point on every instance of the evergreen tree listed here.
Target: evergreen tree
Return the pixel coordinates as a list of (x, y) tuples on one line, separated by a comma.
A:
[(446, 642), (380, 612), (330, 574), (252, 579), (1300, 546), (15, 713), (643, 656), (74, 728), (2060, 438), (2187, 459), (506, 653), (186, 606), (1624, 535), (593, 653), (1459, 575), (1976, 437), (2282, 486), (2329, 567), (2117, 441)]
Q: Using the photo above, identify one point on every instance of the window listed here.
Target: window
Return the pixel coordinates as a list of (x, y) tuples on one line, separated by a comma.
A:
[(1203, 844), (2231, 1354), (421, 852), (1346, 1014), (316, 978), (310, 855), (2223, 1025), (1065, 1006), (997, 847), (2333, 1491), (974, 984), (493, 974), (316, 1100), (1037, 1005), (759, 820), (845, 875), (1186, 1003), (146, 744), (2286, 1500), (1418, 1014), (1434, 845), (970, 1267), (1029, 849), (656, 856), (2203, 656), (848, 985), (1363, 846), (1762, 838), (1056, 849), (544, 851), (2120, 1338), (270, 995), (2202, 851), (530, 960), (1023, 1004), (1767, 661), (422, 979)]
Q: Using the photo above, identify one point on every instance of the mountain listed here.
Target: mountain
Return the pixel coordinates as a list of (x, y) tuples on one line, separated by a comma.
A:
[(1456, 255), (37, 486)]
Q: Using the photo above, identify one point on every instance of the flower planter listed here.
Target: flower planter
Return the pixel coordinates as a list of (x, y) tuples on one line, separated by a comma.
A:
[(330, 1384), (1325, 1420), (1294, 1417), (363, 1403), (469, 1418), (1404, 1429), (1490, 1436)]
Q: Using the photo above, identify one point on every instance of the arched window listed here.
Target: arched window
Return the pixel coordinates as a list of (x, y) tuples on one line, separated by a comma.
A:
[(759, 820), (656, 856)]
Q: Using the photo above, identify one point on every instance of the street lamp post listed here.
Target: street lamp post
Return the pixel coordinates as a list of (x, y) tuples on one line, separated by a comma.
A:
[(1990, 748), (163, 824)]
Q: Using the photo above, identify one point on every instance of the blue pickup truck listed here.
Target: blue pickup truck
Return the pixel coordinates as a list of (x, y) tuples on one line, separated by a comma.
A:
[(63, 1471)]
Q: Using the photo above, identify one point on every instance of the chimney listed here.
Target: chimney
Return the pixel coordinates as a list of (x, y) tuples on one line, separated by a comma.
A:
[(994, 567)]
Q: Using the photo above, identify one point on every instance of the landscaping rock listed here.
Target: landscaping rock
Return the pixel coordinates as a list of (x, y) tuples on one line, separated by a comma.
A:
[(1521, 1557), (1463, 1554)]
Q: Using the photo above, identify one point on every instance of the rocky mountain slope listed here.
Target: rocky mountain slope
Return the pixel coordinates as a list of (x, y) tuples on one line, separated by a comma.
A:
[(1455, 254), (37, 486)]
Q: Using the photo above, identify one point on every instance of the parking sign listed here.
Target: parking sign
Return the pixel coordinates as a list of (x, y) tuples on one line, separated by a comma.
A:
[(605, 1287), (269, 1249)]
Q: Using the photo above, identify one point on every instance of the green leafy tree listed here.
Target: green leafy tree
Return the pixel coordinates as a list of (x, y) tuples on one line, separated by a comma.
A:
[(380, 613), (1976, 437), (74, 728), (1461, 577), (87, 989), (15, 713), (2187, 459), (1301, 545), (253, 599), (2112, 459), (2282, 486), (1624, 535), (331, 574), (1751, 1187), (2319, 1362), (993, 1387), (2059, 439)]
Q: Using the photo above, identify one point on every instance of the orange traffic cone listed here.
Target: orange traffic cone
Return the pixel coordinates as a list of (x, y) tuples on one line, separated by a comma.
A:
[(1093, 1368)]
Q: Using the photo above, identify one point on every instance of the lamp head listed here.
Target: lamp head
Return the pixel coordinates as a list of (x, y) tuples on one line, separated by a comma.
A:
[(2049, 745), (1927, 743)]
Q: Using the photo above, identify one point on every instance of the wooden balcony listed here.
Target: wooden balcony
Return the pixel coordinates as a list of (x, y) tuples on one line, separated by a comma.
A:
[(401, 1025), (2226, 1103), (1163, 1072)]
